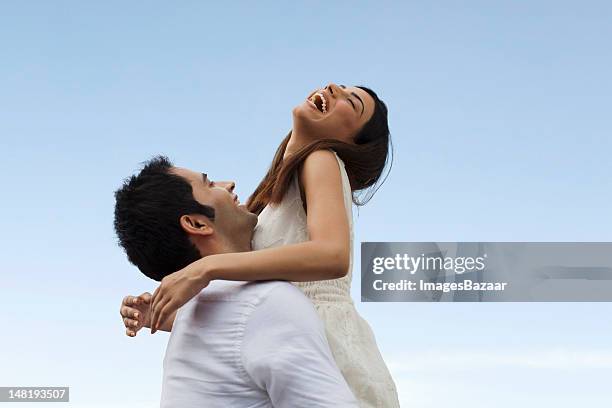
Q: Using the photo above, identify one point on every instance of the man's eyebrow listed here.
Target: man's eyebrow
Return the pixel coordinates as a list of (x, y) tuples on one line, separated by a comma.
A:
[(356, 96)]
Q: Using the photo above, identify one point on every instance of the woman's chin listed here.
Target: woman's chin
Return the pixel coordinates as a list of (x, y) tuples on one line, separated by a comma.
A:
[(296, 111)]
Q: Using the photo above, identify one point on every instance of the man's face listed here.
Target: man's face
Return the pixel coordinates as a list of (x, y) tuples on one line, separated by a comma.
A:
[(230, 217)]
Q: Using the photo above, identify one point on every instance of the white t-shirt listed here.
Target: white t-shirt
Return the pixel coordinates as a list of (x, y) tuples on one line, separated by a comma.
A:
[(251, 345)]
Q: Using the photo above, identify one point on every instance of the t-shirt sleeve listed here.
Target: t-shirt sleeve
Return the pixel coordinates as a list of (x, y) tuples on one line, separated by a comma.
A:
[(286, 353)]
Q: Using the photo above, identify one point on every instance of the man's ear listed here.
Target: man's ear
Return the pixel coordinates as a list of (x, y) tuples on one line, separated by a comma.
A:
[(196, 224)]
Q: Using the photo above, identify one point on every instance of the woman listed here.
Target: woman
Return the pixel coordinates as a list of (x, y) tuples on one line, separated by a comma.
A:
[(338, 146)]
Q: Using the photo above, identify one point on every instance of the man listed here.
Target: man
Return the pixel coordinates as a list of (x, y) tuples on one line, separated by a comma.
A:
[(236, 344)]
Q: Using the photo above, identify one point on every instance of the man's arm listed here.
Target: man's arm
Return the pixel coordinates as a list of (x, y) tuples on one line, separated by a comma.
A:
[(285, 351)]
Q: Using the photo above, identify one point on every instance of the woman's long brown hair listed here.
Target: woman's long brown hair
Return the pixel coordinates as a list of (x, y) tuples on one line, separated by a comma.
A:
[(365, 161)]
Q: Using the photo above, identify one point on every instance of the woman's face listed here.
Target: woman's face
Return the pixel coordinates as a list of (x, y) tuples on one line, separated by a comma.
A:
[(334, 112)]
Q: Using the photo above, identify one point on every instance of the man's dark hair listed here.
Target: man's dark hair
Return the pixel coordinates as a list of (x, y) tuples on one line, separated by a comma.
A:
[(148, 208)]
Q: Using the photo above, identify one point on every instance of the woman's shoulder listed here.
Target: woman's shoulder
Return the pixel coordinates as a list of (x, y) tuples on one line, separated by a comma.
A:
[(322, 160), (320, 168)]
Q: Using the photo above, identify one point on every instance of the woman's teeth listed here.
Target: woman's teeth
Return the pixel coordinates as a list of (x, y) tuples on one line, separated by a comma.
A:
[(319, 100)]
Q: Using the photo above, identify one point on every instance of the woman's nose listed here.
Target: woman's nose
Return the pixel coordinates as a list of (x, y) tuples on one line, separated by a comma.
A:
[(332, 89)]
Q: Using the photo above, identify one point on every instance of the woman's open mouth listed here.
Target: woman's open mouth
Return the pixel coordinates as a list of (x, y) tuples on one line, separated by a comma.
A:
[(319, 102)]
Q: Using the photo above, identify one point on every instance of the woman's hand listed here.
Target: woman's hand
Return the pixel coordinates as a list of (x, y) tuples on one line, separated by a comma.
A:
[(135, 312), (174, 291)]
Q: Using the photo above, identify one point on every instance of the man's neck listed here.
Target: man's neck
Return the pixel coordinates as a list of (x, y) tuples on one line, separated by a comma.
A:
[(224, 246), (238, 246)]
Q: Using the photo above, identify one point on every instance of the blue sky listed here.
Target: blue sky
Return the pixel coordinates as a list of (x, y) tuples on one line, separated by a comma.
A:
[(499, 113)]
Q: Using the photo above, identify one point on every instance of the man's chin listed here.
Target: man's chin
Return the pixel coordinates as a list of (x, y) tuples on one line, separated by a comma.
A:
[(243, 208)]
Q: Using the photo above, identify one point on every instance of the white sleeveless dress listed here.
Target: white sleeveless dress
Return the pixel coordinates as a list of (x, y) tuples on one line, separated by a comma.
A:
[(349, 335)]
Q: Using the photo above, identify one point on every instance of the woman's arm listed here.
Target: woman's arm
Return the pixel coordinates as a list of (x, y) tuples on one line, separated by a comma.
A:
[(325, 256)]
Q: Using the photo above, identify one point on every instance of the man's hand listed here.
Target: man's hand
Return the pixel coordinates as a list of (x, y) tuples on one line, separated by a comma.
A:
[(136, 313)]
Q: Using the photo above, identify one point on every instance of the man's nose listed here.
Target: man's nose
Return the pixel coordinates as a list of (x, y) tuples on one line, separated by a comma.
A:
[(228, 185)]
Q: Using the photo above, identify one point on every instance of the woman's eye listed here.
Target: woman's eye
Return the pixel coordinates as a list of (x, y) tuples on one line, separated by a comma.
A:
[(352, 103)]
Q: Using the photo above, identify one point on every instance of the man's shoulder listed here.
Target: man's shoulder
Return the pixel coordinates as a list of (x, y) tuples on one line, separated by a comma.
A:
[(277, 301), (287, 305), (280, 300), (249, 292)]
